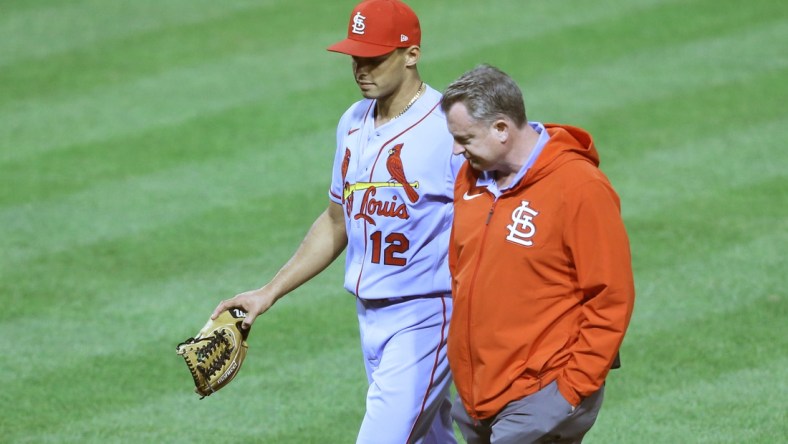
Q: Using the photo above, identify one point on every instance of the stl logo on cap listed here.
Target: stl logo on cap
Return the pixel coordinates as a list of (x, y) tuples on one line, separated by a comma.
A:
[(378, 27), (358, 24)]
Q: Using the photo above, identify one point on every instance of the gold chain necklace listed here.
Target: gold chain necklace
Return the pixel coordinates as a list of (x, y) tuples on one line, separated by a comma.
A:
[(412, 101)]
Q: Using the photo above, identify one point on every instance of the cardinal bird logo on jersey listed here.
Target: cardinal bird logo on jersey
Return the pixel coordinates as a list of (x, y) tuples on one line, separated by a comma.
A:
[(345, 165), (394, 165)]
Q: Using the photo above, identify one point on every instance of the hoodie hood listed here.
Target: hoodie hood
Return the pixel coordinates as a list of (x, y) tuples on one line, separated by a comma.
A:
[(567, 144)]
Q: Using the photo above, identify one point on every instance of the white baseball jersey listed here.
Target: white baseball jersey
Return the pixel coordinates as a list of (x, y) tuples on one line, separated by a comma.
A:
[(396, 185)]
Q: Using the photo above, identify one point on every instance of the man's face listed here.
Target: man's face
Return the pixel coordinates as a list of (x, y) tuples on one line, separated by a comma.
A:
[(379, 76), (476, 141)]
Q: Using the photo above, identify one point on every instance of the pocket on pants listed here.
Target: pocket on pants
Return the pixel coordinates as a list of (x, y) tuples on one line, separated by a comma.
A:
[(547, 406), (557, 398), (568, 407), (533, 417)]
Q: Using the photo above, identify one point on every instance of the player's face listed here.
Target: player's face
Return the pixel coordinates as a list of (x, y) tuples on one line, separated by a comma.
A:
[(379, 77), (476, 141)]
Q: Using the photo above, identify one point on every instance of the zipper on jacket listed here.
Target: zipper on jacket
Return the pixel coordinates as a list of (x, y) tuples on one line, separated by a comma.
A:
[(489, 215), (470, 294)]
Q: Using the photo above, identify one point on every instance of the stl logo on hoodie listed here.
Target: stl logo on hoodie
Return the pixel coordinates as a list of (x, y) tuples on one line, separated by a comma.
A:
[(522, 228)]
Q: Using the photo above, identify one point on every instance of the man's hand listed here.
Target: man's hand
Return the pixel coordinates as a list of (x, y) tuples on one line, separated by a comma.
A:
[(254, 303)]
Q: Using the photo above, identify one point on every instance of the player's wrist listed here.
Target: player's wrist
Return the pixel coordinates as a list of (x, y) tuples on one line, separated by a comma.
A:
[(269, 292)]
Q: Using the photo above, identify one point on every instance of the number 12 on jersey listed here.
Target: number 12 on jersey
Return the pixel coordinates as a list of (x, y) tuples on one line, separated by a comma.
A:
[(395, 244)]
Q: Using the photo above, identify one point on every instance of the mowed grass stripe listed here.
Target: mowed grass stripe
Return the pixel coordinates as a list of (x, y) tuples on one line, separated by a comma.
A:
[(170, 98), (698, 121), (158, 316), (710, 268), (246, 130), (140, 203), (51, 28), (706, 341), (694, 371), (606, 34), (276, 366), (280, 386), (705, 162), (154, 314), (504, 34), (129, 307), (276, 405), (109, 62), (167, 245), (736, 407), (659, 72)]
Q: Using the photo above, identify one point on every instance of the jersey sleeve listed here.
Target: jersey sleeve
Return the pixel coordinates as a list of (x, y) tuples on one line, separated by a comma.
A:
[(336, 188)]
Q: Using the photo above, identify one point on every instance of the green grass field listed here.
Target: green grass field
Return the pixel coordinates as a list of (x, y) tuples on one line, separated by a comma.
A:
[(157, 156)]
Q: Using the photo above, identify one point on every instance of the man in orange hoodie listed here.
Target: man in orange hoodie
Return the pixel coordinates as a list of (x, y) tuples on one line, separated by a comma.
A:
[(542, 279)]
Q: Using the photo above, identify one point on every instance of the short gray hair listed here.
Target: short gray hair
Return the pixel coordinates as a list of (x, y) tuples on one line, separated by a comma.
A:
[(488, 93)]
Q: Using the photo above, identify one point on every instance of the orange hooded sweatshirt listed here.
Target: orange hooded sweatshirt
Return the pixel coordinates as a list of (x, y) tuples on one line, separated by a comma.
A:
[(541, 279)]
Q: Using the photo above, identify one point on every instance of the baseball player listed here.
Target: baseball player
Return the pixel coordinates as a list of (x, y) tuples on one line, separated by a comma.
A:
[(391, 206)]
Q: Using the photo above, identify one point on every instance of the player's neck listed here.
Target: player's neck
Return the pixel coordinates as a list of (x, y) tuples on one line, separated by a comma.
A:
[(394, 106)]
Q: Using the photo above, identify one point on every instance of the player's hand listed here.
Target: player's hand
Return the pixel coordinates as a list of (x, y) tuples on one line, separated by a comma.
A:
[(254, 303)]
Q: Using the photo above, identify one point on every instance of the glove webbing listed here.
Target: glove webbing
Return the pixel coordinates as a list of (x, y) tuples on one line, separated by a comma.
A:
[(205, 352)]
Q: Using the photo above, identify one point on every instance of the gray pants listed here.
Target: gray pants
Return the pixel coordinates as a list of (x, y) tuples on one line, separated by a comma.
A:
[(543, 417)]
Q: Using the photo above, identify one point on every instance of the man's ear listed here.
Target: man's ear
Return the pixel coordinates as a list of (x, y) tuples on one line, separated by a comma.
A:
[(501, 128), (412, 56)]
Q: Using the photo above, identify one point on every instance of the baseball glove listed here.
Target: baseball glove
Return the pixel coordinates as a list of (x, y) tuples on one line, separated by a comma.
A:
[(215, 355)]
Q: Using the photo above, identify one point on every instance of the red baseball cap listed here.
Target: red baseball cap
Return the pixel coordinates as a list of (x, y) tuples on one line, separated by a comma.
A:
[(378, 27)]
